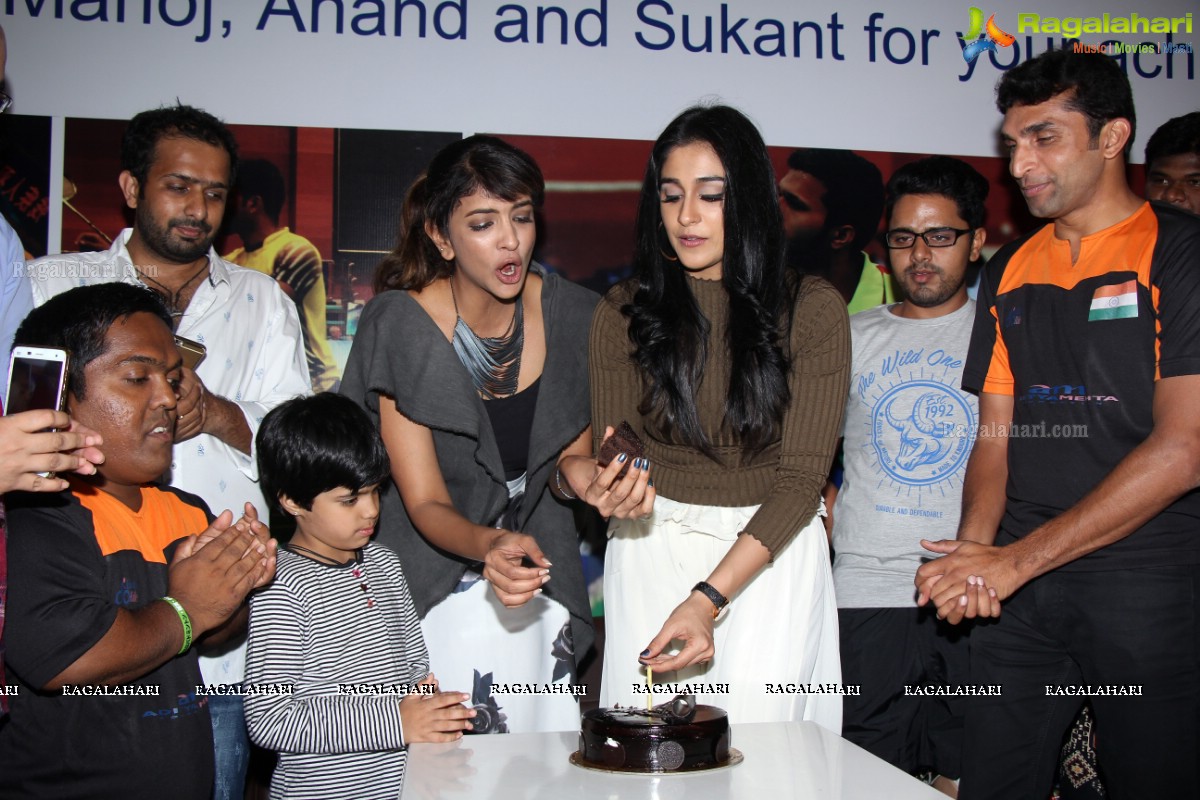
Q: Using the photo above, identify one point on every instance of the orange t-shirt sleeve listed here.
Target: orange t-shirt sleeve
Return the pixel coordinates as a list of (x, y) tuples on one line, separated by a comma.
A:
[(999, 378)]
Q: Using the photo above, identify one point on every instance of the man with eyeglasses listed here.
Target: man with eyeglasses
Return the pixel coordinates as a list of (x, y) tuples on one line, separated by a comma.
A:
[(831, 201), (907, 435), (1087, 524)]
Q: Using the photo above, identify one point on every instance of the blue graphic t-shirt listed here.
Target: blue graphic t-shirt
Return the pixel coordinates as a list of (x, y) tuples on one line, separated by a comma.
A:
[(908, 432)]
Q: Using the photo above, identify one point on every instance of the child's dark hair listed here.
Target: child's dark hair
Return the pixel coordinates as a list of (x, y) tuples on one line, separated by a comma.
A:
[(311, 445)]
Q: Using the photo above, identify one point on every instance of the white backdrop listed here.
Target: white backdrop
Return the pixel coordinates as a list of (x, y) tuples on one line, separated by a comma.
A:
[(886, 76), (75, 58)]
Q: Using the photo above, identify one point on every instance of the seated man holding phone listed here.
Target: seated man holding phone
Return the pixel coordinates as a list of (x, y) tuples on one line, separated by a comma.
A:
[(34, 445), (115, 580), (178, 165)]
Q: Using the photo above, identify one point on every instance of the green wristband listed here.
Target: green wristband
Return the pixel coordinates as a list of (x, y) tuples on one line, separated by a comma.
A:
[(184, 619)]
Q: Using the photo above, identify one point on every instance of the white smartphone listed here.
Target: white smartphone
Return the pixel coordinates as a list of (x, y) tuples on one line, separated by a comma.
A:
[(37, 378)]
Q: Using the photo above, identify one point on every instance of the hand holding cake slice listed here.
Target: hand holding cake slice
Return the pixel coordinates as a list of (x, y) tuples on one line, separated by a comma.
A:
[(623, 440)]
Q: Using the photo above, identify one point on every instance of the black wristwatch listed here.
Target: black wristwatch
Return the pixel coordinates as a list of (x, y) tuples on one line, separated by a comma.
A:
[(719, 600)]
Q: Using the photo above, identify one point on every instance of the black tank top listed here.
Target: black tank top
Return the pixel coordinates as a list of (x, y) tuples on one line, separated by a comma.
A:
[(512, 421)]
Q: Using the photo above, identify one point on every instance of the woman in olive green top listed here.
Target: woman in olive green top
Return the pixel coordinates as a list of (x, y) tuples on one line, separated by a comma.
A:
[(733, 372)]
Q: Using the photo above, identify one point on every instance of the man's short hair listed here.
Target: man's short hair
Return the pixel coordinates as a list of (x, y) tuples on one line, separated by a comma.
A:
[(258, 177), (949, 177), (1178, 136), (853, 189), (1097, 87), (78, 321), (311, 445), (179, 121)]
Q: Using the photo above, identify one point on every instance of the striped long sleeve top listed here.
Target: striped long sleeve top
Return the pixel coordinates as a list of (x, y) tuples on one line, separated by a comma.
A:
[(331, 651)]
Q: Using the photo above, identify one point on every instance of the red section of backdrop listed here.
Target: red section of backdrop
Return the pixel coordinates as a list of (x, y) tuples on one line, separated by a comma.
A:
[(587, 221)]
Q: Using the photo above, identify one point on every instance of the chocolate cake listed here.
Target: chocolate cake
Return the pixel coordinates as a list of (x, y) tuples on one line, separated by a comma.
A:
[(623, 440), (659, 740)]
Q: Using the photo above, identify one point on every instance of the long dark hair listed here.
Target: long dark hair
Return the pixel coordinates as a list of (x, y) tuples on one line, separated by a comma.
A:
[(668, 332), (458, 169)]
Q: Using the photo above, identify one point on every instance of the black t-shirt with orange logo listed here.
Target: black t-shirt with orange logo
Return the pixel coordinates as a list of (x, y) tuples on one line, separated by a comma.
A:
[(76, 558), (1080, 348)]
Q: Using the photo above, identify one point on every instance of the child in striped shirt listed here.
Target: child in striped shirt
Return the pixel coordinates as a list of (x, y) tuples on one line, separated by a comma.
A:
[(335, 648)]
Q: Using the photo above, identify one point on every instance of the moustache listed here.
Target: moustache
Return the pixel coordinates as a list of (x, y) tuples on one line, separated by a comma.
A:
[(201, 225)]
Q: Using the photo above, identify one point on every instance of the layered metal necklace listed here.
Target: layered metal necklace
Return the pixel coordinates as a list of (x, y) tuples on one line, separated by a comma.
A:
[(493, 363)]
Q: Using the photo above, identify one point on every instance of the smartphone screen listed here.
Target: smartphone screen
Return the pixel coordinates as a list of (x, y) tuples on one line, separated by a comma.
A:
[(34, 382), (37, 378)]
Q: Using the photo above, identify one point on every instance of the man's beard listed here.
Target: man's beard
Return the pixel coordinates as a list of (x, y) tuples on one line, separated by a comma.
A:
[(933, 296), (161, 242)]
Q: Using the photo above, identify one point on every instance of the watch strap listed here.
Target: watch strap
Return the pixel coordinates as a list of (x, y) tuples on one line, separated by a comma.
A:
[(718, 600)]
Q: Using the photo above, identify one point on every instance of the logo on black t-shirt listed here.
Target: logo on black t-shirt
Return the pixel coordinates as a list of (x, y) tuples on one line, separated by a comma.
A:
[(1067, 393)]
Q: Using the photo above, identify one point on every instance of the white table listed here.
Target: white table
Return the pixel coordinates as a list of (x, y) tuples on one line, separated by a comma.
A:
[(783, 761)]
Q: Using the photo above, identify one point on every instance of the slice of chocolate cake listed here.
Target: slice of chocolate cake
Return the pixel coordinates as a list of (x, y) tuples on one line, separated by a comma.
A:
[(623, 440)]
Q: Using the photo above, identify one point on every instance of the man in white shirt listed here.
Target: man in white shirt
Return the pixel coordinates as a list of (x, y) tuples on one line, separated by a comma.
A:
[(15, 298), (178, 164)]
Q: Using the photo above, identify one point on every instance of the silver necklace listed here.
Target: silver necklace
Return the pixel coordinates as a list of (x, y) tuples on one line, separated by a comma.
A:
[(494, 363)]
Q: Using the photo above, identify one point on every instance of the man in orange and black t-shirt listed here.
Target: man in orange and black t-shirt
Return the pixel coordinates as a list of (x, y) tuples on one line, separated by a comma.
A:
[(109, 586), (1080, 490)]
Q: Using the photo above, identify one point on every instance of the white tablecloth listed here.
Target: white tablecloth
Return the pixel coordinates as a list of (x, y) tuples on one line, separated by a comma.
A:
[(783, 761)]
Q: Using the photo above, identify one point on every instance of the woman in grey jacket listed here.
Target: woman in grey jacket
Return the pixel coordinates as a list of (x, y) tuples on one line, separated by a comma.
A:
[(472, 360)]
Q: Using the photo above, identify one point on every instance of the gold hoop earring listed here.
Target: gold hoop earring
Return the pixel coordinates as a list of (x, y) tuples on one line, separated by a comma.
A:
[(661, 251)]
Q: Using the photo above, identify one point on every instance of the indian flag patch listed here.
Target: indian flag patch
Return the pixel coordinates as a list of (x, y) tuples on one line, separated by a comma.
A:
[(1118, 301)]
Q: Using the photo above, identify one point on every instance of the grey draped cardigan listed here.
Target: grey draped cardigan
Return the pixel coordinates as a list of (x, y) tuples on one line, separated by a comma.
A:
[(400, 352)]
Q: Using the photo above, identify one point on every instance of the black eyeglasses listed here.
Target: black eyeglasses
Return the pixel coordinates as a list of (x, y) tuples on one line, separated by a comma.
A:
[(5, 101), (901, 239)]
